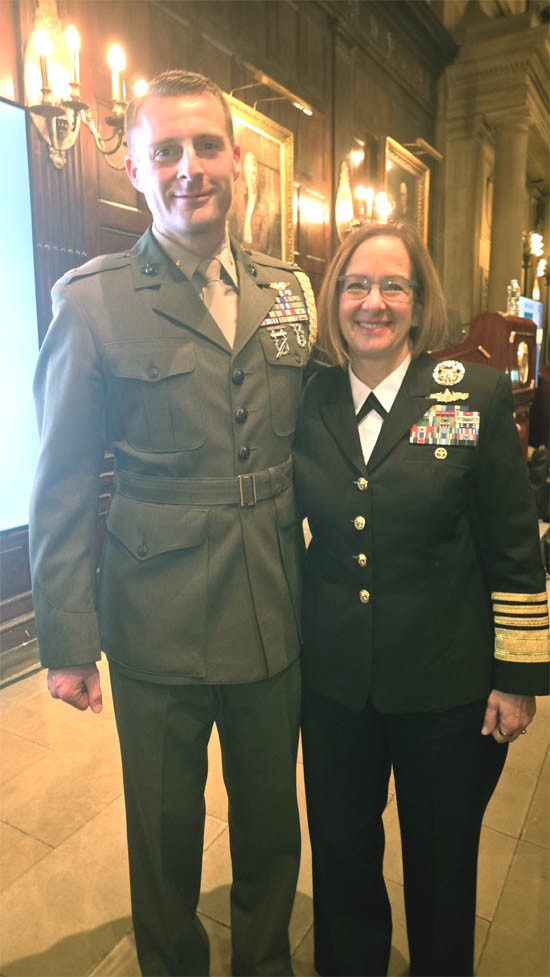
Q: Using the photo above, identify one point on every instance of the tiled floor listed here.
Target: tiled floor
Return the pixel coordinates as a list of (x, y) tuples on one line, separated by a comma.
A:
[(64, 900)]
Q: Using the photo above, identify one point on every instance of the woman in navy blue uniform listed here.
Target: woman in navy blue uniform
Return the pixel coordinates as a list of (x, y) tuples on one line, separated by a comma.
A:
[(426, 617)]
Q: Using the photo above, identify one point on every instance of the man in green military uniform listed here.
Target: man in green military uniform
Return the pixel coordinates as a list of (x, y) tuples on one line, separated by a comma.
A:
[(184, 354)]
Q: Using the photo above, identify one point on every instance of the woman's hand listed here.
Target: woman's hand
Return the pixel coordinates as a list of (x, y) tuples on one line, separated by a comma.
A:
[(507, 716)]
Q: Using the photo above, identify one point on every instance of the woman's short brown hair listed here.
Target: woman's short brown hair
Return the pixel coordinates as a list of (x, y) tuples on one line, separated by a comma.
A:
[(429, 327)]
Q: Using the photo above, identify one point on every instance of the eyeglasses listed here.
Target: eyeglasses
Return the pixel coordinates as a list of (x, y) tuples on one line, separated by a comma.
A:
[(393, 288)]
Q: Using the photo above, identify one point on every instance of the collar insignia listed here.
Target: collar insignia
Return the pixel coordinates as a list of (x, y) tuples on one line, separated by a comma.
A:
[(448, 372)]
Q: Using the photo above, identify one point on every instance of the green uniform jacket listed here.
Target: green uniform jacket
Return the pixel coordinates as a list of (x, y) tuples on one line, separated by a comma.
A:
[(197, 583), (424, 587)]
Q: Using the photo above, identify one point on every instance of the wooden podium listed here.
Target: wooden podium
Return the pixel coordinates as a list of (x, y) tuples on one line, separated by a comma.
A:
[(505, 343)]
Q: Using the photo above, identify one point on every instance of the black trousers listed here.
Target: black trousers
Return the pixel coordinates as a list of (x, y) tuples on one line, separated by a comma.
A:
[(164, 732), (445, 773)]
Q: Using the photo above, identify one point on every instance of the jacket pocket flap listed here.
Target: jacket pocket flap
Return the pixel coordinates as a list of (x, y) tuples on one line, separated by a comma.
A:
[(151, 360), (147, 529)]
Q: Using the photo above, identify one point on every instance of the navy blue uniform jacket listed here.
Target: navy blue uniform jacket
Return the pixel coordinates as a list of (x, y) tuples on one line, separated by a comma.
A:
[(440, 596)]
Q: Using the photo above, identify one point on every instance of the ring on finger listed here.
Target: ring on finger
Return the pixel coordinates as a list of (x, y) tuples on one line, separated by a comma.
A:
[(505, 736)]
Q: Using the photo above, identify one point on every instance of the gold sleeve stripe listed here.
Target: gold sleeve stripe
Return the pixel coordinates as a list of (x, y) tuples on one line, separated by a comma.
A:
[(538, 623), (520, 598), (524, 609), (518, 648), (515, 634), (305, 285)]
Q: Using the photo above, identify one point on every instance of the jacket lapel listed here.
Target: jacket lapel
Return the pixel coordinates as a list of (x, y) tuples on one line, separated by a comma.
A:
[(408, 407), (338, 415), (176, 297), (254, 301)]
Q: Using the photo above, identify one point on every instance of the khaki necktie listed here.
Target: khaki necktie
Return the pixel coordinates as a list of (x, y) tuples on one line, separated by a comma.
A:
[(219, 297)]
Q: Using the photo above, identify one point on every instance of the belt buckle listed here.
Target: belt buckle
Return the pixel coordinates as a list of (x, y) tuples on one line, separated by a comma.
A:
[(250, 492)]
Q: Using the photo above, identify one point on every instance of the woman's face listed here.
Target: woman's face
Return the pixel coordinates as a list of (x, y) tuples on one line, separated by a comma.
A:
[(376, 329)]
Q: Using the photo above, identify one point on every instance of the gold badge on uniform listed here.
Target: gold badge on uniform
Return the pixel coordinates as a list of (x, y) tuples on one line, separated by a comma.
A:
[(448, 372), (449, 396)]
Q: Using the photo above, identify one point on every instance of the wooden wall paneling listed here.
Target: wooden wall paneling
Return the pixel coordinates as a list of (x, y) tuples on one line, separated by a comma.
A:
[(314, 68), (281, 46)]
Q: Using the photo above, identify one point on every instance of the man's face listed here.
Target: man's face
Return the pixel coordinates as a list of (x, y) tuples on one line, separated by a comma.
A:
[(182, 160)]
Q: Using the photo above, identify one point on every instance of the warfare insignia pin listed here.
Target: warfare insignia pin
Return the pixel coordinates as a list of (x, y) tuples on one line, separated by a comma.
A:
[(280, 338), (280, 286), (448, 372), (299, 332), (448, 396)]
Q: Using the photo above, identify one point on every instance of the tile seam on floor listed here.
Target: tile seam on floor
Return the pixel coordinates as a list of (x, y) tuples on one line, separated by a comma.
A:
[(109, 952), (28, 834), (201, 912), (298, 945), (218, 835), (532, 801), (26, 739), (502, 888), (510, 765), (67, 837)]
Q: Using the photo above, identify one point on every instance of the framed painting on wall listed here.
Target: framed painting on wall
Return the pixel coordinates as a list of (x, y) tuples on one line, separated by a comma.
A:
[(407, 186), (261, 214)]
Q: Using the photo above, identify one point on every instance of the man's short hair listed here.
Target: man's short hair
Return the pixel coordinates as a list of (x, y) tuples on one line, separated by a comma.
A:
[(429, 325), (171, 84)]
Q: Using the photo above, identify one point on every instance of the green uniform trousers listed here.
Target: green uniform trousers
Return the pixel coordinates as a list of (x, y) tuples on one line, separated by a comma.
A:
[(164, 732)]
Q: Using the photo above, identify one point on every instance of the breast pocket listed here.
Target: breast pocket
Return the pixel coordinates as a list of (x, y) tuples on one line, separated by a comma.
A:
[(285, 359), (157, 398), (439, 487)]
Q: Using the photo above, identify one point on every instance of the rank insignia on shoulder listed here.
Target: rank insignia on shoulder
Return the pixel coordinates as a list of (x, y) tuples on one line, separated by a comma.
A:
[(449, 426), (449, 396), (448, 372)]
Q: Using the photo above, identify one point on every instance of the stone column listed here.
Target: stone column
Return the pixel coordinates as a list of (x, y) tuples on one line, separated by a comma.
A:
[(508, 210)]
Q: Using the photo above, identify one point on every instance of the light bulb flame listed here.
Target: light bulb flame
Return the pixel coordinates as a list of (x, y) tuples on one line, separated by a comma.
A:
[(42, 43), (72, 38), (140, 87), (116, 59)]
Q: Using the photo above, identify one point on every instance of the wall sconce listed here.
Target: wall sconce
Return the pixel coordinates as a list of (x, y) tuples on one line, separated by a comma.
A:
[(52, 91), (283, 94), (367, 206), (422, 148), (533, 246)]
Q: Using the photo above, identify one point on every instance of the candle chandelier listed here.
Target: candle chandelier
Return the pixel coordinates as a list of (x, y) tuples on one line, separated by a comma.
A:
[(52, 87)]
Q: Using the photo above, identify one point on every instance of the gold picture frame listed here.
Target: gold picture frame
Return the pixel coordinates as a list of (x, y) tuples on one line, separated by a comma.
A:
[(407, 186), (261, 216)]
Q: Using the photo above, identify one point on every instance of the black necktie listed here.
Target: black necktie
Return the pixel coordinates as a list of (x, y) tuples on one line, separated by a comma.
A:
[(371, 403)]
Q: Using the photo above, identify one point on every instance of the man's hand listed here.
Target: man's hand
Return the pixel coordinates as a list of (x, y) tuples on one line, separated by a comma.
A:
[(507, 715), (79, 685)]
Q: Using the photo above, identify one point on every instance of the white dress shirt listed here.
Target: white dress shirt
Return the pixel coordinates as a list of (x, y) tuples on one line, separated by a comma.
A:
[(386, 391)]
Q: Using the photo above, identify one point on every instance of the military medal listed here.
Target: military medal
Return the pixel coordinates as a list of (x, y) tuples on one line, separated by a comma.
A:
[(446, 426), (448, 372)]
